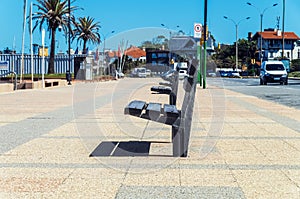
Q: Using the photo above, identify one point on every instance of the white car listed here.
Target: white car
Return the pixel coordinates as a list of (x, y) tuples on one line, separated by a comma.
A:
[(148, 72), (273, 71), (120, 74), (182, 74), (141, 72)]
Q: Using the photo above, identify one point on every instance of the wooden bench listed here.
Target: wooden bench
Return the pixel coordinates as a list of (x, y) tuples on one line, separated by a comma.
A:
[(168, 114)]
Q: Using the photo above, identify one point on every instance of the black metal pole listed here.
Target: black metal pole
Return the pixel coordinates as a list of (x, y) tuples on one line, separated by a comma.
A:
[(283, 15), (69, 77), (205, 43), (205, 19)]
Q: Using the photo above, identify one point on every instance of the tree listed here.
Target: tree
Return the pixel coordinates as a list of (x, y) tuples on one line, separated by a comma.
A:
[(295, 65), (247, 50), (87, 30), (159, 42), (225, 57), (55, 14)]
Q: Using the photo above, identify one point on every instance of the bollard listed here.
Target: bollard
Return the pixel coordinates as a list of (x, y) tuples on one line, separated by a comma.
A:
[(68, 77)]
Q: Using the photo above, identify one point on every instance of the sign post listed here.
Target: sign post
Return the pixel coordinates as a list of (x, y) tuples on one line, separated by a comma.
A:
[(198, 34)]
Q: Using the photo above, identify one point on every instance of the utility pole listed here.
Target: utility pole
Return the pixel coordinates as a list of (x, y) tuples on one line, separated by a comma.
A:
[(283, 14), (205, 44)]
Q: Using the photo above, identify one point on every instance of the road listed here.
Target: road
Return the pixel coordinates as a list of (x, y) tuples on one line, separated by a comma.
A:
[(288, 95)]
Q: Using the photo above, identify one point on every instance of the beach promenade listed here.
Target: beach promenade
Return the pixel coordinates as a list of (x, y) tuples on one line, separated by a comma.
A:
[(71, 142)]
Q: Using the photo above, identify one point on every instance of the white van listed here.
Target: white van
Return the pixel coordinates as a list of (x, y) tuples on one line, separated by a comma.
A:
[(273, 71)]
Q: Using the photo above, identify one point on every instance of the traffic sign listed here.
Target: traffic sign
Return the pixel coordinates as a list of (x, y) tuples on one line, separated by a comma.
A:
[(197, 30)]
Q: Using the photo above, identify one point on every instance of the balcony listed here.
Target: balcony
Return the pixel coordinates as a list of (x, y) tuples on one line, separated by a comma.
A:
[(274, 46)]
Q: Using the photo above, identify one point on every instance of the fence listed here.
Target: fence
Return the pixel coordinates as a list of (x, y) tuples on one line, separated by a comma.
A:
[(61, 63)]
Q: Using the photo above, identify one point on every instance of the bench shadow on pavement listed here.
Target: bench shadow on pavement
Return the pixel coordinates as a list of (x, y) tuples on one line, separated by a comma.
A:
[(123, 149)]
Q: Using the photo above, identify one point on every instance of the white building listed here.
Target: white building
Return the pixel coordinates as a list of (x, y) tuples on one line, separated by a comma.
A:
[(272, 44)]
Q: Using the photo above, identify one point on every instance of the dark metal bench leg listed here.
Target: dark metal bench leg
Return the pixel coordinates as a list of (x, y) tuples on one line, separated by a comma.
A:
[(178, 142), (172, 98)]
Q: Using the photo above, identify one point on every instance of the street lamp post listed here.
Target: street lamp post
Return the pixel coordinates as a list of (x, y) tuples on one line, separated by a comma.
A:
[(170, 32), (236, 38), (163, 25), (261, 21)]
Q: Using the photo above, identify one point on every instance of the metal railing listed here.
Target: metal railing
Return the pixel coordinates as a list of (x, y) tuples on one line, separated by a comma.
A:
[(61, 63), (16, 77)]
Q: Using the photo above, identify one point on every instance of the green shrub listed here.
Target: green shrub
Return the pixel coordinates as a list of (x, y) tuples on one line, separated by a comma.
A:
[(294, 74)]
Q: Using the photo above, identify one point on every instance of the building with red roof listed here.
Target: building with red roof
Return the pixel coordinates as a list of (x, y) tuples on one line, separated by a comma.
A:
[(272, 44), (133, 52)]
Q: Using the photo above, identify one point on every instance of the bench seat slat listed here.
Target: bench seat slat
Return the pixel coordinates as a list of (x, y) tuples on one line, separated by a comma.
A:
[(135, 108), (165, 84), (161, 89), (154, 88), (170, 110), (153, 109)]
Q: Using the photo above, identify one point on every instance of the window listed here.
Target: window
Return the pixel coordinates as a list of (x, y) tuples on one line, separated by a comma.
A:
[(274, 67), (162, 55)]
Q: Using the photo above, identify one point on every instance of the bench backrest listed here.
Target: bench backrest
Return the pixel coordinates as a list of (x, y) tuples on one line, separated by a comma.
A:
[(187, 108)]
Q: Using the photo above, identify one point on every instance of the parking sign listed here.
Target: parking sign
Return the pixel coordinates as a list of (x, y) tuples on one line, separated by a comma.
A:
[(197, 30)]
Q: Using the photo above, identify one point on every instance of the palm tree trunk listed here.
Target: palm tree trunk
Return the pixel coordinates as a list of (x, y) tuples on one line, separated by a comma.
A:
[(52, 53), (84, 47)]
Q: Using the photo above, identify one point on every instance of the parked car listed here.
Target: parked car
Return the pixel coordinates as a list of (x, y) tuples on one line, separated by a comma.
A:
[(223, 73), (234, 74), (120, 74), (182, 74), (211, 74), (273, 71), (138, 72), (168, 74), (231, 74), (148, 72), (141, 72)]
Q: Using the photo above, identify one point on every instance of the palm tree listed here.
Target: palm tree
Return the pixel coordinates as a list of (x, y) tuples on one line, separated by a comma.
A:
[(55, 14), (86, 30)]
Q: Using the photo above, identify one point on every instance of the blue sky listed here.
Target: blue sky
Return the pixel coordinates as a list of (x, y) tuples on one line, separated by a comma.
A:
[(138, 20)]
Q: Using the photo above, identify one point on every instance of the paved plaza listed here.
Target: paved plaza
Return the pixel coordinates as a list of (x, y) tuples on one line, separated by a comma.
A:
[(76, 142)]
